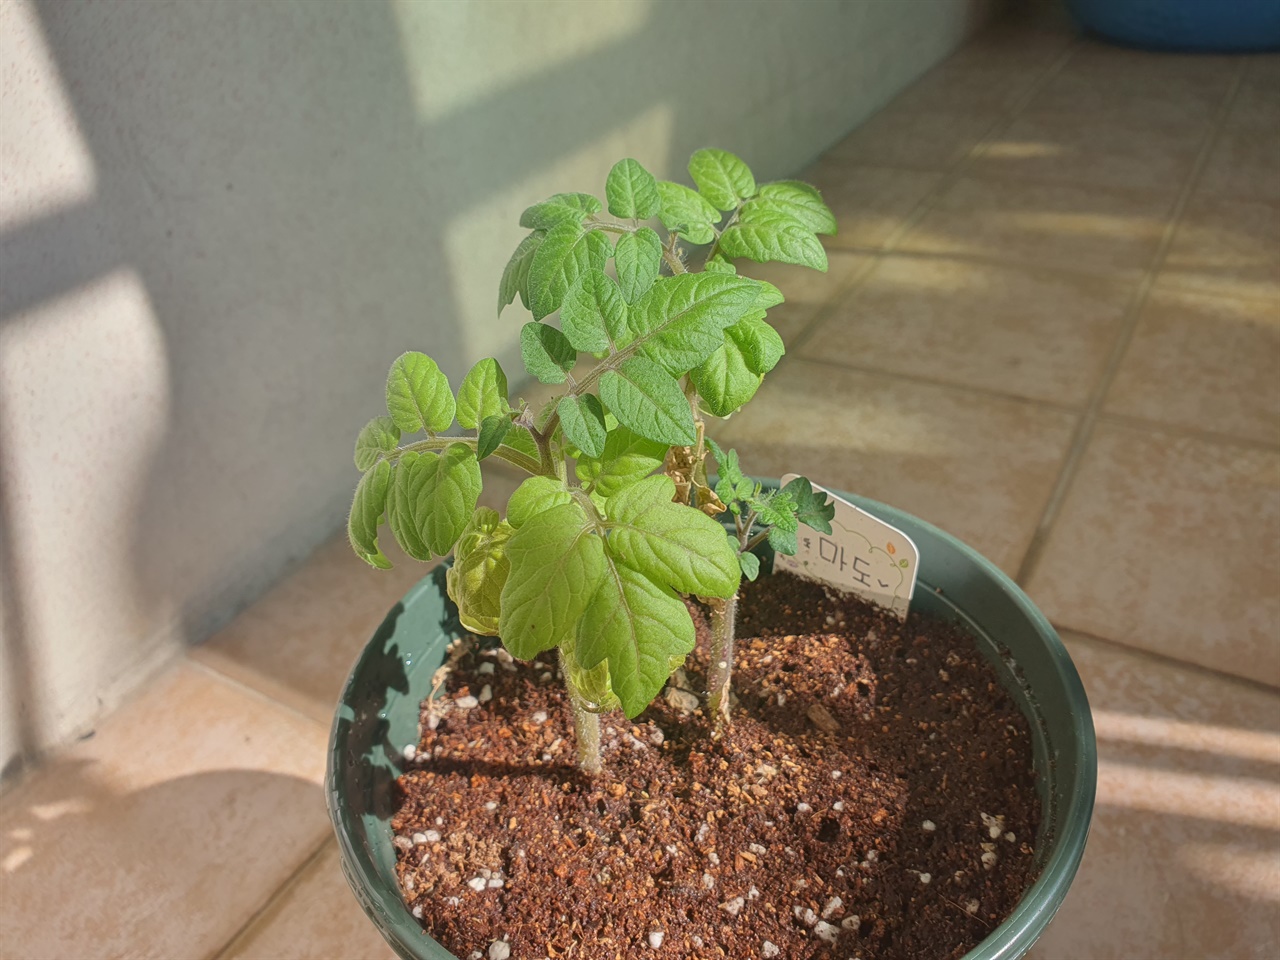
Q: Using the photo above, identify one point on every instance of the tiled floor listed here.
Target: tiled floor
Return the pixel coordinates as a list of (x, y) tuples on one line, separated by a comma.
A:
[(1052, 326)]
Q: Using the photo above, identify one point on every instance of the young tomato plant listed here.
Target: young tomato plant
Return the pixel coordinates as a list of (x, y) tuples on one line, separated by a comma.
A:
[(597, 546)]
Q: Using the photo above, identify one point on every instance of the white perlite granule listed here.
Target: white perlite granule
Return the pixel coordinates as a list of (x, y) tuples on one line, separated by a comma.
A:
[(499, 950), (655, 939)]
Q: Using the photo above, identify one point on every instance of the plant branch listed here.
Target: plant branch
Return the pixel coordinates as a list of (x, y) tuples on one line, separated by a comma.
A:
[(586, 725), (508, 454), (715, 246), (723, 615)]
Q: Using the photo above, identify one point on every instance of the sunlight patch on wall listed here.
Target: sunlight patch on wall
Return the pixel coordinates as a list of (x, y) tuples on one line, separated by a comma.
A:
[(45, 165), (459, 53), (494, 223)]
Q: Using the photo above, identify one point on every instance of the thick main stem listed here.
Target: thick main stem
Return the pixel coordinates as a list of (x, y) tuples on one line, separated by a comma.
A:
[(723, 615), (586, 726)]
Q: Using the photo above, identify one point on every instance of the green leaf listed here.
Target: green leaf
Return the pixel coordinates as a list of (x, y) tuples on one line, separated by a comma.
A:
[(687, 212), (631, 191), (719, 264), (366, 513), (418, 394), (479, 572), (760, 344), (557, 564), (515, 276), (778, 238), (400, 505), (722, 178), (649, 401), (731, 484), (638, 259), (492, 432), (380, 435), (812, 508), (627, 457), (534, 496), (558, 209), (775, 508), (547, 353), (641, 629), (750, 564), (724, 381), (483, 393), (594, 315), (672, 543), (769, 296), (435, 496), (565, 254), (801, 201), (783, 541), (520, 439), (681, 321), (582, 420)]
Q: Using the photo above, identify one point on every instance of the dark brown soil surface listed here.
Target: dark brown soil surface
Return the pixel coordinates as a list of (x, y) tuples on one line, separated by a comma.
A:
[(873, 799)]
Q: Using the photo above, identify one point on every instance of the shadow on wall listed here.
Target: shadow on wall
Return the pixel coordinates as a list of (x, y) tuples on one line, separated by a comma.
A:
[(191, 342)]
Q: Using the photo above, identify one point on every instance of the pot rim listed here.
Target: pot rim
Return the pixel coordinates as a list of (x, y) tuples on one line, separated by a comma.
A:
[(1011, 939)]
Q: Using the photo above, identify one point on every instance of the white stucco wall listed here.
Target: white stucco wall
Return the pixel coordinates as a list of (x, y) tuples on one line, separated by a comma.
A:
[(219, 222)]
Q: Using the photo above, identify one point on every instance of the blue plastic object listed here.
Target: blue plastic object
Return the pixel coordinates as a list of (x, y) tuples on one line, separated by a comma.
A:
[(1198, 26)]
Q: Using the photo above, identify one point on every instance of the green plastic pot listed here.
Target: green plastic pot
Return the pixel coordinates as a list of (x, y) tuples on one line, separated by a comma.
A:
[(378, 715)]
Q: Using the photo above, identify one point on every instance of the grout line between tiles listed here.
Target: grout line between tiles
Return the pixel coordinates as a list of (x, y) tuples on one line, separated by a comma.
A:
[(953, 173), (276, 896), (1088, 421), (248, 689), (927, 381), (1190, 433), (1166, 660)]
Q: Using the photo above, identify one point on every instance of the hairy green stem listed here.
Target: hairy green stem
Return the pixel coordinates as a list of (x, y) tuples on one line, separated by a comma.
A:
[(586, 726), (715, 246), (505, 453), (723, 614)]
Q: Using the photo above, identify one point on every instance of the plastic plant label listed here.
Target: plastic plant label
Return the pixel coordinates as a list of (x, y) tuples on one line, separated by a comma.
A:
[(862, 554)]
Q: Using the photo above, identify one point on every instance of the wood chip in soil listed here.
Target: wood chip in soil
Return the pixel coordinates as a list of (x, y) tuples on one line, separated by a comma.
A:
[(874, 798)]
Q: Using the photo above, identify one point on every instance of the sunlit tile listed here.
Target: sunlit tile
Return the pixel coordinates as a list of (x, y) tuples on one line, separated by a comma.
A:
[(917, 139), (1056, 225), (1183, 858), (1206, 362), (1020, 331), (162, 835), (1150, 153), (980, 467), (315, 918), (1245, 163), (1227, 246), (1167, 543)]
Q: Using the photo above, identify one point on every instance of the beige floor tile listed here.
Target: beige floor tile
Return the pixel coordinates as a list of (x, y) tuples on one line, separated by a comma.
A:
[(1245, 163), (980, 467), (1168, 544), (807, 291), (1207, 362), (1106, 80), (315, 918), (298, 642), (1227, 246), (1152, 153), (869, 203), (162, 835), (971, 82), (1257, 103), (1183, 859), (1054, 225), (1020, 331), (916, 139)]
